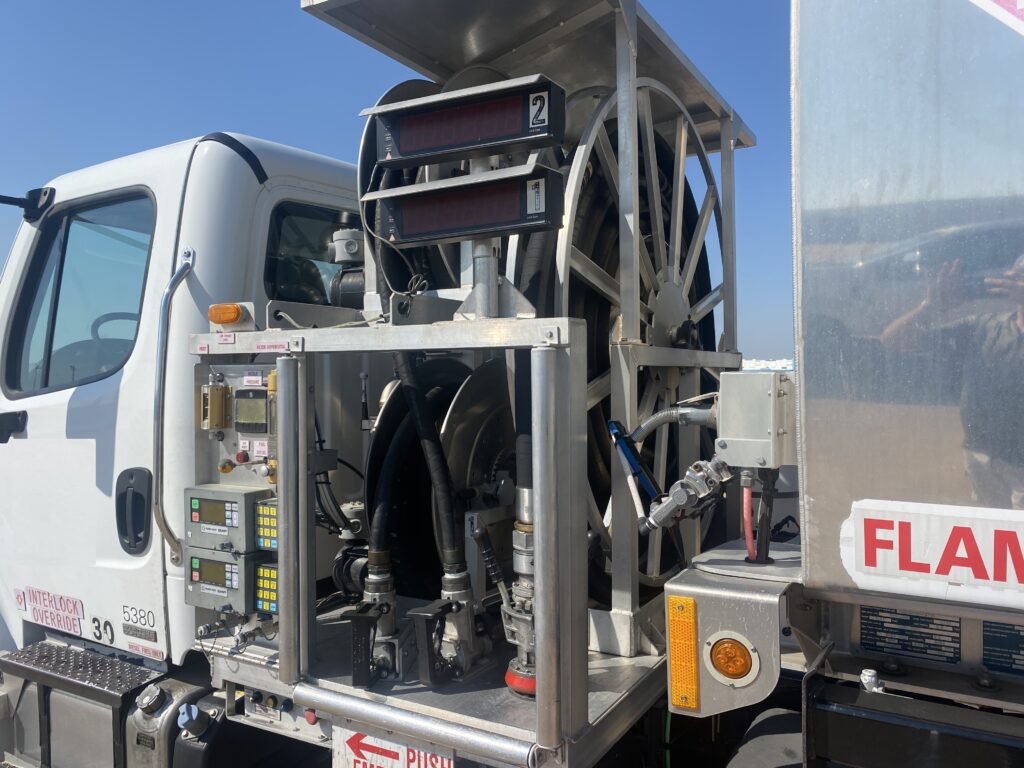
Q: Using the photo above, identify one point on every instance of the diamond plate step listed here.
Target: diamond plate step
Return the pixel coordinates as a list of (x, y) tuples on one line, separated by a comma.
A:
[(78, 671)]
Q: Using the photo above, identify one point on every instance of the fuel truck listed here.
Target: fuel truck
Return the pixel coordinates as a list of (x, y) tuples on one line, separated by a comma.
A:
[(447, 458)]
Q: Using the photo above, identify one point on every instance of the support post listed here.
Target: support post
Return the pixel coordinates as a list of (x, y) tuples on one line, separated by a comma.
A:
[(543, 374), (729, 340), (305, 531), (288, 491), (629, 191)]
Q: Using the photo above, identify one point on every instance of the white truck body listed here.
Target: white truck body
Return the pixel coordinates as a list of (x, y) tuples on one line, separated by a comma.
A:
[(61, 564)]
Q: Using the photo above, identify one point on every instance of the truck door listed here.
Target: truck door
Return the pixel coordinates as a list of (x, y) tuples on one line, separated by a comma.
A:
[(79, 307)]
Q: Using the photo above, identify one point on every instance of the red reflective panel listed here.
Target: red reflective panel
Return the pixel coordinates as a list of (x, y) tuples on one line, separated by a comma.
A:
[(462, 209), (457, 126)]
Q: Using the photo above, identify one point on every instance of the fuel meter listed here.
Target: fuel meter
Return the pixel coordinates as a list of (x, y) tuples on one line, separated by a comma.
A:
[(221, 581), (222, 516)]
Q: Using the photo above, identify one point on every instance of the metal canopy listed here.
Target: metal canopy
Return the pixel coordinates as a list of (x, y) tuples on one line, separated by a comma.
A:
[(570, 41)]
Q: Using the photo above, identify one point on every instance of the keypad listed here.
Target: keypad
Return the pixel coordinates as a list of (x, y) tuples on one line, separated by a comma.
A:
[(266, 588)]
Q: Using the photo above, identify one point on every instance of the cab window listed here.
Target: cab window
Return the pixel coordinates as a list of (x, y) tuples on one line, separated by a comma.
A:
[(78, 313), (299, 264)]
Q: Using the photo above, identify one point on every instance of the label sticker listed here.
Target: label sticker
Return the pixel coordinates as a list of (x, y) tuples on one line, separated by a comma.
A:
[(260, 449), (19, 599), (539, 110), (885, 630), (243, 445), (1003, 647), (211, 589), (56, 611), (142, 650), (535, 197), (360, 750), (204, 349), (217, 530), (145, 740), (225, 338), (271, 346), (252, 379), (149, 635), (964, 554)]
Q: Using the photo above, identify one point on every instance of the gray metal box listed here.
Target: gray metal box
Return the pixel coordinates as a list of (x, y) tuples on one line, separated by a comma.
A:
[(221, 581), (222, 516), (757, 419)]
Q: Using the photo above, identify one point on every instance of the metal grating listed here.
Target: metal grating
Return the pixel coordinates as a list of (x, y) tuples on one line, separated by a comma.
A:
[(78, 670)]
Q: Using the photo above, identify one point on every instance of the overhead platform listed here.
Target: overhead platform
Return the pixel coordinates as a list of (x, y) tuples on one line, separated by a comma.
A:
[(570, 41)]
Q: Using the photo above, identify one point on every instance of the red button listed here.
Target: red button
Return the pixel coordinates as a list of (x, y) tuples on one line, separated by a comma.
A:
[(311, 718), (195, 517), (195, 575), (241, 457)]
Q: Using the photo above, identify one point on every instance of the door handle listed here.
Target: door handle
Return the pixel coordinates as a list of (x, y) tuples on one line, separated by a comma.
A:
[(12, 423), (132, 495)]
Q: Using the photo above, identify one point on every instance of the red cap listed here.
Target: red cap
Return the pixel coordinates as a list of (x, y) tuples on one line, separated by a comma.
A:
[(242, 457), (525, 685), (311, 718)]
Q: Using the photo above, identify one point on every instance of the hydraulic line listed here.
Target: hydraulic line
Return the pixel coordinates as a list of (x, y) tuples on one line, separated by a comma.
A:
[(453, 555)]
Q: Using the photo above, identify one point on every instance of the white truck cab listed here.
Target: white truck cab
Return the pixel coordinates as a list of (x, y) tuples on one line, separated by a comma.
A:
[(80, 313)]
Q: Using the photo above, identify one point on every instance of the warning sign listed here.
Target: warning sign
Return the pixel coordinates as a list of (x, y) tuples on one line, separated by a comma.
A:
[(353, 749), (55, 611)]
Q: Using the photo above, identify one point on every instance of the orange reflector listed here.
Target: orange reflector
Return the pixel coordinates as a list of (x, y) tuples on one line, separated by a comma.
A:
[(225, 314), (683, 655), (731, 658)]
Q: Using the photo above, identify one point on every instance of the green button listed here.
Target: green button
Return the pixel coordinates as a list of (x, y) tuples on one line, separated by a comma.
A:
[(195, 562), (195, 503)]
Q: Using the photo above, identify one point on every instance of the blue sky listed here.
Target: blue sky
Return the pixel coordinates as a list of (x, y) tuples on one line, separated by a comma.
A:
[(86, 82)]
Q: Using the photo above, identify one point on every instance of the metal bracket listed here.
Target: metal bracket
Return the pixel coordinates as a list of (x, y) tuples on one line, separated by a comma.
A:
[(511, 303)]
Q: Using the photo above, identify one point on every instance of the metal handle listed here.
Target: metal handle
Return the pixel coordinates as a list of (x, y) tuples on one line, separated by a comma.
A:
[(184, 267), (129, 517)]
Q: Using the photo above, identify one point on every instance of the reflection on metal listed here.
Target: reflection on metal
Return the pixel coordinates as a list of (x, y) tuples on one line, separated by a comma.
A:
[(911, 364)]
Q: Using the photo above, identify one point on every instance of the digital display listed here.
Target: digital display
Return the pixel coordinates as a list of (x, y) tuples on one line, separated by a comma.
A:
[(212, 572), (463, 209), (213, 512), (476, 123)]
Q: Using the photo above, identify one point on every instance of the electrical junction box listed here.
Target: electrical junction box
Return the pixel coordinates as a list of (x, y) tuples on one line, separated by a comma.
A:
[(222, 517), (221, 581), (757, 419)]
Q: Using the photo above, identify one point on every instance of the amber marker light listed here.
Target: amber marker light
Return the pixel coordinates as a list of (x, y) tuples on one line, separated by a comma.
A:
[(731, 658), (225, 314)]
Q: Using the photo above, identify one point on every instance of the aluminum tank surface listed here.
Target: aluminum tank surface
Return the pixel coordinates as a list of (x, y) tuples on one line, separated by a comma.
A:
[(908, 133)]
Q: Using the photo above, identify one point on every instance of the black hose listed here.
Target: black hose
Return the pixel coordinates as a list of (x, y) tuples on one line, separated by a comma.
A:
[(524, 416), (453, 555), (401, 442)]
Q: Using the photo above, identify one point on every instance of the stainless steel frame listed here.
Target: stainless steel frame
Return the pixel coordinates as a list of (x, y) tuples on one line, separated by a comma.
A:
[(567, 703)]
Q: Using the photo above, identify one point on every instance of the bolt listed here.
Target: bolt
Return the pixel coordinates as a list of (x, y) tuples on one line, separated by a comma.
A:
[(682, 698), (722, 444), (680, 607)]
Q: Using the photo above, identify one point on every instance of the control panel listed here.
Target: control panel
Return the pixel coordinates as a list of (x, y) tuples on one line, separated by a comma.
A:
[(221, 581), (223, 517)]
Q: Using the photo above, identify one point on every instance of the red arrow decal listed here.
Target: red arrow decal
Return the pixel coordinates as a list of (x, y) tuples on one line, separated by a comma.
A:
[(357, 743)]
